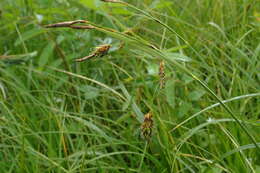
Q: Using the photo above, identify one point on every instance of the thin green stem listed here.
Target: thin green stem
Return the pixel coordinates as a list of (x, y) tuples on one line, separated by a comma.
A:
[(142, 159)]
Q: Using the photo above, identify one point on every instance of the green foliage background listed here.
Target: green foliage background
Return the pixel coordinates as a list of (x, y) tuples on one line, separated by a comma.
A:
[(57, 115)]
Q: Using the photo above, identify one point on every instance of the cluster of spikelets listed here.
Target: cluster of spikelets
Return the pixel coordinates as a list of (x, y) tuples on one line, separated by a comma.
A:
[(147, 125), (99, 51)]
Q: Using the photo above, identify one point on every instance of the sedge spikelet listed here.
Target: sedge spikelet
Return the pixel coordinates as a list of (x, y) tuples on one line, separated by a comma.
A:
[(113, 1), (99, 52), (65, 24), (147, 126), (162, 74)]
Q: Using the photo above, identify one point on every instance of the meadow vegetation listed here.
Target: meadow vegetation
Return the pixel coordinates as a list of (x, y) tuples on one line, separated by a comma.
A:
[(177, 91)]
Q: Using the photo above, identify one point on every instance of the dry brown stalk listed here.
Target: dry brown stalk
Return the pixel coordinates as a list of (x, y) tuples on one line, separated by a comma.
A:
[(113, 1), (82, 27), (65, 24)]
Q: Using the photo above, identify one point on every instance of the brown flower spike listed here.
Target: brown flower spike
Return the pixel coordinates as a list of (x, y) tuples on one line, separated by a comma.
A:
[(113, 1), (99, 52), (65, 24), (71, 24), (147, 126), (162, 74)]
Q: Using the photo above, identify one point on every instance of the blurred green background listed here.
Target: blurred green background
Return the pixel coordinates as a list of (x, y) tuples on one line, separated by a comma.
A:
[(57, 115)]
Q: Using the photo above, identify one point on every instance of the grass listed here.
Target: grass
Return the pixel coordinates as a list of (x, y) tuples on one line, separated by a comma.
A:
[(58, 115)]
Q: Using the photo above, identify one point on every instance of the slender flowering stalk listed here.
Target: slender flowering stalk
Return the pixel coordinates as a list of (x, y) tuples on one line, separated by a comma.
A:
[(99, 52), (129, 31)]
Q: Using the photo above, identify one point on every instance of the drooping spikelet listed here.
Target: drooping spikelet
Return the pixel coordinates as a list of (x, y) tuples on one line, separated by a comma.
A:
[(147, 126), (71, 24), (65, 24), (113, 1), (99, 52), (162, 74)]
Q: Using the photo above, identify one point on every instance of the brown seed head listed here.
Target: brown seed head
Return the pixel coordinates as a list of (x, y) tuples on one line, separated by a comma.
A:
[(65, 24), (147, 126), (102, 50), (162, 74), (113, 1)]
